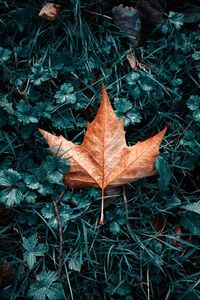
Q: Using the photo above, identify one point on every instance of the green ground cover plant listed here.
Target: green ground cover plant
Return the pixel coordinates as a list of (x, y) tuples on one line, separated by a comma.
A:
[(51, 244)]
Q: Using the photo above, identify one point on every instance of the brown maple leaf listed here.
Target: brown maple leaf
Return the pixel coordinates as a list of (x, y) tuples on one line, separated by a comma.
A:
[(103, 159)]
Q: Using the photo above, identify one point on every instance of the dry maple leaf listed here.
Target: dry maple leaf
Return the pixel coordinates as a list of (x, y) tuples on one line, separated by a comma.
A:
[(103, 159), (50, 11)]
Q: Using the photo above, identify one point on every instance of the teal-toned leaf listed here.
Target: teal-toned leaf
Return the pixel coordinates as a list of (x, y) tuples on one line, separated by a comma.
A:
[(33, 249), (9, 177), (115, 228), (75, 263), (66, 94), (30, 197), (172, 202), (194, 207), (5, 104), (122, 105), (10, 197), (32, 182), (65, 212), (26, 113), (164, 173), (196, 55), (45, 287), (4, 54), (193, 104), (64, 120), (191, 222), (125, 110), (176, 19)]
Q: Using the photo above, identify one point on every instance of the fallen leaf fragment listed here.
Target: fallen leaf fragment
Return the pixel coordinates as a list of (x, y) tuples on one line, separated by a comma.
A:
[(128, 20), (103, 159), (132, 61), (50, 11)]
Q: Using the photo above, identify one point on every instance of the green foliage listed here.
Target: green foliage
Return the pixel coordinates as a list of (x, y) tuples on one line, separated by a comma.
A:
[(32, 250), (45, 287), (164, 173), (193, 104), (50, 77)]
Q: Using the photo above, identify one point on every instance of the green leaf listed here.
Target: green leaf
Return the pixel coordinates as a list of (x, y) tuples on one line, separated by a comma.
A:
[(196, 55), (75, 263), (64, 120), (194, 207), (45, 287), (11, 197), (176, 19), (26, 113), (125, 110), (9, 177), (66, 94), (191, 222), (65, 212), (4, 54), (115, 228), (172, 202), (193, 104), (33, 249), (5, 104), (164, 173)]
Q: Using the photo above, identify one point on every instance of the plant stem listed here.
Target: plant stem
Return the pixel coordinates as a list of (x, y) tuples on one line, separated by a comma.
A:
[(55, 203), (101, 222)]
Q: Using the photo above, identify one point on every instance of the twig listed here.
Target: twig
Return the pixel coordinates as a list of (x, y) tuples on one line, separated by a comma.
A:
[(55, 203)]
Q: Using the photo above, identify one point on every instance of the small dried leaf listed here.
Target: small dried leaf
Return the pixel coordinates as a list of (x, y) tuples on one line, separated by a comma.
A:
[(128, 20), (132, 62), (50, 11)]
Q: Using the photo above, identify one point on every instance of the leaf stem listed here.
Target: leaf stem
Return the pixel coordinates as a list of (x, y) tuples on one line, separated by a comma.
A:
[(101, 221), (55, 203)]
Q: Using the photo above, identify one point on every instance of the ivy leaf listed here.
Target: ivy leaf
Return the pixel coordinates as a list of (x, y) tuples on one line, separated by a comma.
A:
[(66, 94), (33, 249), (45, 287), (26, 113)]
